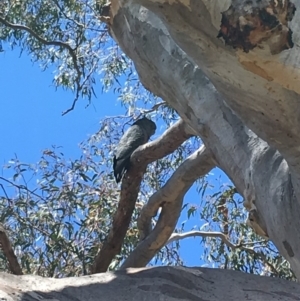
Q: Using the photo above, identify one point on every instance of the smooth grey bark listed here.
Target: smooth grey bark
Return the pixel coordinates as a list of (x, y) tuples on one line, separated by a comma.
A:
[(179, 58), (170, 198), (161, 283), (256, 84)]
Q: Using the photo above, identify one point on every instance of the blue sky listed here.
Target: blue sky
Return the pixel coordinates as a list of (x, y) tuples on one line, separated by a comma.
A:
[(31, 121), (31, 111)]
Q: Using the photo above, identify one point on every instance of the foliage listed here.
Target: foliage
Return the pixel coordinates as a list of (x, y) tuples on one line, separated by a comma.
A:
[(66, 35), (58, 211), (241, 249)]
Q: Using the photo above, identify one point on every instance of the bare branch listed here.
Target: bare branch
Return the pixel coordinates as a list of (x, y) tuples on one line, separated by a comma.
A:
[(5, 245), (72, 106), (170, 198), (21, 187), (164, 145), (79, 88), (6, 195), (224, 238)]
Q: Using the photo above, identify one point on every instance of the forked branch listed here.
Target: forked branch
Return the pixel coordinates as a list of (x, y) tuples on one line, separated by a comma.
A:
[(164, 145), (170, 198), (226, 241)]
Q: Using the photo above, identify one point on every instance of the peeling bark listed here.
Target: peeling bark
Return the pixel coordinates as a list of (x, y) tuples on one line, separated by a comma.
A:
[(244, 106)]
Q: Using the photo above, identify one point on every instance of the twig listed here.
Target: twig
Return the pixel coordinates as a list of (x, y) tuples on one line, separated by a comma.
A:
[(22, 187), (4, 192), (63, 13), (153, 109), (9, 253), (78, 90)]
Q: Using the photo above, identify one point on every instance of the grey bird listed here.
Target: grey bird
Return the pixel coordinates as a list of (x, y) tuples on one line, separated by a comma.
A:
[(138, 134)]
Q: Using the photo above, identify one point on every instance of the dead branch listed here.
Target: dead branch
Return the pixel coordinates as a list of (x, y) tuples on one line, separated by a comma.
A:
[(164, 145), (170, 198), (5, 245)]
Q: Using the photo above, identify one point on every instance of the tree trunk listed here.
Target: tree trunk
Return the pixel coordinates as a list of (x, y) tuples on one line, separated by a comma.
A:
[(230, 69), (162, 283)]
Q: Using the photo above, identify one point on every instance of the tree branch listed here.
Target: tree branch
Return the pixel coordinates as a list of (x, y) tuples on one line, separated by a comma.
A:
[(170, 198), (224, 238), (164, 145), (9, 253), (20, 187), (52, 43), (153, 109)]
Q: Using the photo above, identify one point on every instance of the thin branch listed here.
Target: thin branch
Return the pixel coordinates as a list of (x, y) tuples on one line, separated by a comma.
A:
[(22, 187), (251, 243), (68, 18), (42, 40), (9, 253), (78, 90), (64, 45), (6, 195), (170, 198), (164, 145), (225, 240), (153, 109), (222, 236)]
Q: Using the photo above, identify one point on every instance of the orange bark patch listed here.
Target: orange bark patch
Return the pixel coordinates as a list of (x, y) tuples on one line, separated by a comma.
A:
[(252, 67)]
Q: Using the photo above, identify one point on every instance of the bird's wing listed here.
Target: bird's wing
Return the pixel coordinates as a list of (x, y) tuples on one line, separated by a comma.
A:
[(120, 167), (131, 140)]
